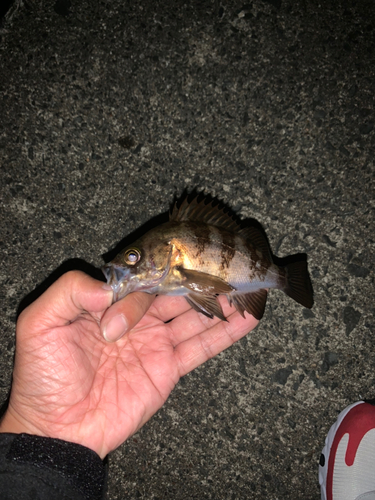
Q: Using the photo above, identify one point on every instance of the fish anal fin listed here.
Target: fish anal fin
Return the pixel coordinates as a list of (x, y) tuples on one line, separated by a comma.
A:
[(253, 302), (206, 304), (204, 283)]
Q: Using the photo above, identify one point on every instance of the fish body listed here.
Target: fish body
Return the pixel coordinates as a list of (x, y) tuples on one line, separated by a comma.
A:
[(201, 253)]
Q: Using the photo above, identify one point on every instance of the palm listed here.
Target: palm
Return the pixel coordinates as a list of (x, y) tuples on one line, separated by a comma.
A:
[(74, 385)]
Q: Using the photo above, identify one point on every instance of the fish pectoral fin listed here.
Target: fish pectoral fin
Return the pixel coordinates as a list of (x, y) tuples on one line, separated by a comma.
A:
[(204, 283), (253, 303), (206, 304)]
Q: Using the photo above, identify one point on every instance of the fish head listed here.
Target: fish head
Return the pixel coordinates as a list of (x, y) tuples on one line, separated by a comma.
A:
[(139, 267)]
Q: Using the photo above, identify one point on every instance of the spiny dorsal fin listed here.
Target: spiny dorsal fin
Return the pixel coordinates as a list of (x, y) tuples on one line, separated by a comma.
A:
[(205, 210)]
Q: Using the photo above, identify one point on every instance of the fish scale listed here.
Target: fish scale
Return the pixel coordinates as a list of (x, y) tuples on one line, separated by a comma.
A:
[(203, 252), (229, 258)]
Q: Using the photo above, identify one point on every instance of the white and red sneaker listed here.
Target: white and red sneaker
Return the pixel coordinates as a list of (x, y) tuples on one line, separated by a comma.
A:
[(347, 462)]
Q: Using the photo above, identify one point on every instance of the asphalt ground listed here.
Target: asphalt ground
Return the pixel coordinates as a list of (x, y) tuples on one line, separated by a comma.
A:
[(109, 111)]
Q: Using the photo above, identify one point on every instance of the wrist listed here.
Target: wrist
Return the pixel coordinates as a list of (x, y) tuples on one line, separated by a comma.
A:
[(15, 424)]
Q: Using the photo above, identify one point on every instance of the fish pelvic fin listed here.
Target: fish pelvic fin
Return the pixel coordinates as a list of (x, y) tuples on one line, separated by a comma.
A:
[(206, 304), (253, 302), (203, 289), (298, 284)]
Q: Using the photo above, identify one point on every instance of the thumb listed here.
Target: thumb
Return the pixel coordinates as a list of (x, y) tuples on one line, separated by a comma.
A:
[(64, 300), (123, 315)]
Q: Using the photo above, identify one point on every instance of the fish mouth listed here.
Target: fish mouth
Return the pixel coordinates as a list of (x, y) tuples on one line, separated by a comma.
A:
[(118, 279), (122, 282)]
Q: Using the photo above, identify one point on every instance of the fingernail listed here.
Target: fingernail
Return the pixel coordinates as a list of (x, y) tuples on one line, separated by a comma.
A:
[(116, 328), (107, 287)]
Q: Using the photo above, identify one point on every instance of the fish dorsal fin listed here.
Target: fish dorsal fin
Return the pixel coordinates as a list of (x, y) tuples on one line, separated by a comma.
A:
[(209, 212), (256, 237)]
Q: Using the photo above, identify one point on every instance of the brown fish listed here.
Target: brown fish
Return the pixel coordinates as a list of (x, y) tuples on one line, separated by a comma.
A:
[(203, 252)]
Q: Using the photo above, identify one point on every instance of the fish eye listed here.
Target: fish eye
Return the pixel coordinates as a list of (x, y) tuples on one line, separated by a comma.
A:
[(132, 256)]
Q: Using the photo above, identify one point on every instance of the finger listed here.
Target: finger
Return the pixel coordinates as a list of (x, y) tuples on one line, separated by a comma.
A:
[(123, 315), (207, 344), (167, 307), (191, 323), (64, 300)]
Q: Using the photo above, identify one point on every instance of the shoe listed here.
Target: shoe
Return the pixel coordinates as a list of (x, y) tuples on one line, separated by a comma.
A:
[(347, 462)]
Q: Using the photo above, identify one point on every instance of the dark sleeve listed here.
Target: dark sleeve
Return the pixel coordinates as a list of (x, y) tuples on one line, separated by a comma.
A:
[(34, 467)]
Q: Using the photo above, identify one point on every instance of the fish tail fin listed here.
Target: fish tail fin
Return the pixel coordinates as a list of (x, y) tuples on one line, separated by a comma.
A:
[(298, 284)]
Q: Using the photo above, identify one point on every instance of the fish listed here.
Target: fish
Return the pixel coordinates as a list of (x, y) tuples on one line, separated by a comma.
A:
[(204, 251)]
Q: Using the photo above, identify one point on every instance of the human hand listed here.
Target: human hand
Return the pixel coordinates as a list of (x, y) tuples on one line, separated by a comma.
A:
[(72, 384)]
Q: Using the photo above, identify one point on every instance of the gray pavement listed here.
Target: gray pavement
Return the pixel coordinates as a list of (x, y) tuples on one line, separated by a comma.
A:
[(108, 111)]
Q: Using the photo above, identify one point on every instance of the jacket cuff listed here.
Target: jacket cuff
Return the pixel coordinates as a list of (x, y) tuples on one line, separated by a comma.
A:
[(55, 463)]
